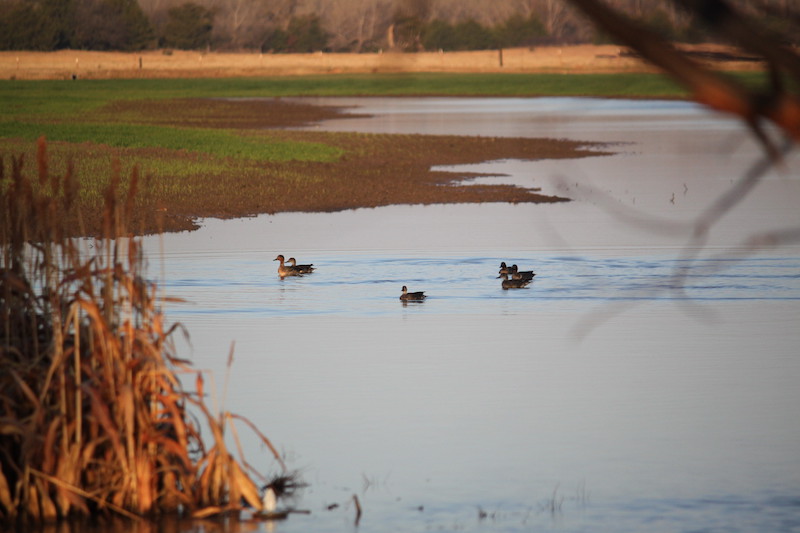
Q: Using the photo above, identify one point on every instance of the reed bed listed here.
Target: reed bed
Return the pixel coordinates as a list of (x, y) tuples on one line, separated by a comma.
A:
[(94, 418)]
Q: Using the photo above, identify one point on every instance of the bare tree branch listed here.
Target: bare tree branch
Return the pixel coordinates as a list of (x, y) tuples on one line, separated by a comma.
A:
[(714, 90)]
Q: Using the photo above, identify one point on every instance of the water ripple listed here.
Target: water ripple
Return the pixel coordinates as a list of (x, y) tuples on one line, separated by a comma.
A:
[(371, 284)]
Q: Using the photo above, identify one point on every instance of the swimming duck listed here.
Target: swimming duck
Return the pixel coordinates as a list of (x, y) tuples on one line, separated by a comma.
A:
[(524, 274), (285, 270), (303, 269), (514, 283), (412, 296)]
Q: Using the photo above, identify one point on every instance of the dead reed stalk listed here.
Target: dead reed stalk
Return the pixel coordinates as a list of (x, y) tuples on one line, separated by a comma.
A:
[(94, 420)]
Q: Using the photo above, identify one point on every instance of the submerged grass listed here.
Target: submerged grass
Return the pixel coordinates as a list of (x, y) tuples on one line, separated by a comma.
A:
[(94, 420)]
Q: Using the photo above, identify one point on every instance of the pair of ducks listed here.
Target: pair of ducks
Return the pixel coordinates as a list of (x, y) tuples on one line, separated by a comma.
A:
[(292, 269), (519, 278)]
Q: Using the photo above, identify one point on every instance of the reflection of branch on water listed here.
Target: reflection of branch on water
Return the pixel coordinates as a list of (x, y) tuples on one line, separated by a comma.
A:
[(358, 509), (771, 104), (725, 203), (624, 213), (737, 193)]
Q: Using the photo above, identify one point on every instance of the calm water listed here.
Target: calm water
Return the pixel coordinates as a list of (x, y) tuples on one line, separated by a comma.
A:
[(607, 396)]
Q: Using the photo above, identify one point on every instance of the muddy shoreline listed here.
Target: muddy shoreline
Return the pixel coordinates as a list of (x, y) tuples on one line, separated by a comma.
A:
[(376, 170), (178, 188)]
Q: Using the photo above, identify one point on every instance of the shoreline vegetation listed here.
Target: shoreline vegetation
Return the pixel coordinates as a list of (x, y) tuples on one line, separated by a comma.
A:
[(224, 147), (231, 159), (100, 417)]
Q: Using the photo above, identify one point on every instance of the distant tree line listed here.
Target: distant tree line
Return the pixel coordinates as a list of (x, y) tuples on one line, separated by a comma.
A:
[(336, 25), (83, 24)]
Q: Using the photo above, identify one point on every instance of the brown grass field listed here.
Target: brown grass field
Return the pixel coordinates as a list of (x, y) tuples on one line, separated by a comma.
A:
[(191, 64)]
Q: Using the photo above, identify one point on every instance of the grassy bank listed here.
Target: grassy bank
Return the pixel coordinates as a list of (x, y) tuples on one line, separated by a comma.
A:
[(100, 418), (48, 97), (70, 95), (29, 104), (202, 156)]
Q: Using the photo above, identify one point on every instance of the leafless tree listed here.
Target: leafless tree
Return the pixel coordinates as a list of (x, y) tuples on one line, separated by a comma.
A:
[(244, 22), (358, 25), (362, 24), (554, 13)]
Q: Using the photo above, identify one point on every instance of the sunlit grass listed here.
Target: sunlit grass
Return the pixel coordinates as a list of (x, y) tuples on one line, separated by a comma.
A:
[(59, 98), (100, 416), (215, 142), (170, 179)]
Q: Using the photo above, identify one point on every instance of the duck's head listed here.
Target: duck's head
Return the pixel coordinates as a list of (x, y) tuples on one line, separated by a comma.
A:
[(279, 258), (405, 289)]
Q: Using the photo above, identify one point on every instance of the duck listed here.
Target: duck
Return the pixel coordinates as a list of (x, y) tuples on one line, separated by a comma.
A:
[(412, 296), (284, 270), (304, 269), (514, 283), (524, 274)]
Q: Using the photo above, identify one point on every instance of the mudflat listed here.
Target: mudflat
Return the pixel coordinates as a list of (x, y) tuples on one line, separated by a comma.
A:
[(374, 169)]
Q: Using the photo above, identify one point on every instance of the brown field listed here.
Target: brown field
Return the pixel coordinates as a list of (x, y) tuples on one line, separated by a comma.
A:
[(188, 64)]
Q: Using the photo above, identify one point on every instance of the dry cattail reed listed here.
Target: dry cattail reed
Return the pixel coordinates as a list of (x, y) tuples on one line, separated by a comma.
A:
[(93, 417)]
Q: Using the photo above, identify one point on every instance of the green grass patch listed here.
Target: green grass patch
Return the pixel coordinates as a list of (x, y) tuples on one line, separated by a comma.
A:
[(58, 97), (177, 179), (220, 143)]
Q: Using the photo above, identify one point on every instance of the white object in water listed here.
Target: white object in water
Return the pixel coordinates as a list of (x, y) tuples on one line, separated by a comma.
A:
[(268, 501)]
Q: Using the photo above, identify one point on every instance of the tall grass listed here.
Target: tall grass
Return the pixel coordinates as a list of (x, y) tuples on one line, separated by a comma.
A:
[(94, 419)]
